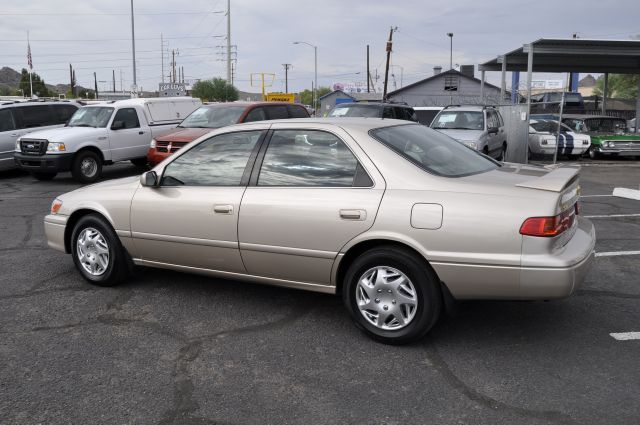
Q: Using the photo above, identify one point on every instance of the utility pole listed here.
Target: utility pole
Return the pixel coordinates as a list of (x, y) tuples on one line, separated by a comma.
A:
[(286, 76), (114, 80), (173, 65), (450, 34), (228, 41), (121, 81), (386, 70), (368, 74), (161, 55), (134, 88), (95, 85)]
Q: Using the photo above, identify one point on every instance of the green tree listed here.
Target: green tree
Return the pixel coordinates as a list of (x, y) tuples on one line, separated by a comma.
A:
[(214, 90), (39, 88), (622, 86), (306, 96)]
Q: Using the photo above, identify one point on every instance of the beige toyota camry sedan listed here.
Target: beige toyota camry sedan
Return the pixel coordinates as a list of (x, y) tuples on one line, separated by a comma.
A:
[(396, 217)]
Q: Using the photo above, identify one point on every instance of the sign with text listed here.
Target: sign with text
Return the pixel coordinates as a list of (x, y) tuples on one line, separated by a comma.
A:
[(281, 97), (172, 89)]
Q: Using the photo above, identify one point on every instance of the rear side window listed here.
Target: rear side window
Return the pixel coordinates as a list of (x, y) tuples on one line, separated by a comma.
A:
[(307, 158), (256, 114), (63, 112), (433, 151), (278, 112), (36, 116), (297, 111), (387, 112), (6, 120)]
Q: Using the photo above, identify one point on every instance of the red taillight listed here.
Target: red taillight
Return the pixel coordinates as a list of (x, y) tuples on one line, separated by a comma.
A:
[(549, 226)]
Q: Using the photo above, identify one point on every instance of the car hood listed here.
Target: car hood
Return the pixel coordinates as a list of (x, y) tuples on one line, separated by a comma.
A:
[(63, 134), (184, 134), (462, 135)]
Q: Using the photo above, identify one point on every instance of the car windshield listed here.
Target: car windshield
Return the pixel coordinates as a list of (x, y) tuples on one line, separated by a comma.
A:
[(459, 120), (91, 116), (368, 111), (548, 126), (606, 125), (432, 151), (213, 116)]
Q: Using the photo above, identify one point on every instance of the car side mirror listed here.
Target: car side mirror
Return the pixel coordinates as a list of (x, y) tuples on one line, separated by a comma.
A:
[(117, 125), (149, 179)]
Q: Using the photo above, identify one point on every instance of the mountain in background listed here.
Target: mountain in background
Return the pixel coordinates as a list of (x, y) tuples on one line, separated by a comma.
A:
[(10, 78)]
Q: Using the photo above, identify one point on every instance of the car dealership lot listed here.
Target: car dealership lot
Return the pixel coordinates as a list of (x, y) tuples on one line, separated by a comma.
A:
[(176, 348)]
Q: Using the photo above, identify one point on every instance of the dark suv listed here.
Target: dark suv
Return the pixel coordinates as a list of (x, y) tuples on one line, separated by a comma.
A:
[(374, 110), (216, 115)]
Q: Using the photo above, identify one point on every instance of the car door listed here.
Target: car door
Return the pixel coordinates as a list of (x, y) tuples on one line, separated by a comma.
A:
[(127, 138), (308, 196), (191, 218), (9, 133), (492, 123)]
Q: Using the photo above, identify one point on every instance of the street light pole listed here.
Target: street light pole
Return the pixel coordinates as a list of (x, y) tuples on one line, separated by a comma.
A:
[(315, 71), (450, 34)]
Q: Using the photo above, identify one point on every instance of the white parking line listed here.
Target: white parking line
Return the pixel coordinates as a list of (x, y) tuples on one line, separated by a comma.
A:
[(612, 216), (595, 196), (625, 336), (623, 192), (616, 253)]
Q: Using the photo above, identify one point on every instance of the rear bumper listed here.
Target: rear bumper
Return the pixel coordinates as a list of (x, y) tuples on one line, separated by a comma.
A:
[(54, 228), (44, 163)]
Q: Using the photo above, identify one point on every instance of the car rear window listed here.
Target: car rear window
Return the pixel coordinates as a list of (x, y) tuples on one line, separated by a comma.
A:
[(432, 151), (213, 116)]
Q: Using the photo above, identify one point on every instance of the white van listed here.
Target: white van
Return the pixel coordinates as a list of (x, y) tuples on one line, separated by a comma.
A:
[(101, 134)]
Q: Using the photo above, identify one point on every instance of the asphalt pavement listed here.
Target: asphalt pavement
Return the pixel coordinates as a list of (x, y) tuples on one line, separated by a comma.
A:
[(172, 348)]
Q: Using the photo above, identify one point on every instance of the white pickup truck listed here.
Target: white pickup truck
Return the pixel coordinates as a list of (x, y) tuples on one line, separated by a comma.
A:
[(101, 134)]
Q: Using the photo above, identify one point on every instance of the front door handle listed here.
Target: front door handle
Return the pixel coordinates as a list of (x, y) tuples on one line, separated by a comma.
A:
[(223, 209), (353, 215), (140, 132)]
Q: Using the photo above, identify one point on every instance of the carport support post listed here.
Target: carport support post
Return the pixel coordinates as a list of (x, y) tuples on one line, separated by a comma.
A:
[(503, 85), (638, 109), (605, 93), (529, 76), (482, 87), (555, 151)]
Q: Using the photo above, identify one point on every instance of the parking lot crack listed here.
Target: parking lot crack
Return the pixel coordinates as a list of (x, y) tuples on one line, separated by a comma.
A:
[(483, 400)]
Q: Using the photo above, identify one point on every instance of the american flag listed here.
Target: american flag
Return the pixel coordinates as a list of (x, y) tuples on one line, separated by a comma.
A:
[(29, 61)]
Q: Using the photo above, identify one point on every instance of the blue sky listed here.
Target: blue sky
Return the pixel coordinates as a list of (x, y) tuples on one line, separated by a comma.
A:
[(95, 36)]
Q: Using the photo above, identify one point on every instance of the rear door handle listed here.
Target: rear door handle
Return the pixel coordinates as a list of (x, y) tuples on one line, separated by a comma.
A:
[(140, 132), (353, 214), (223, 209)]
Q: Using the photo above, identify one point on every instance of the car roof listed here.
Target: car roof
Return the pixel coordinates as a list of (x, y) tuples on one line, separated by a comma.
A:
[(586, 116), (373, 104), (21, 103), (249, 103), (466, 107), (360, 123)]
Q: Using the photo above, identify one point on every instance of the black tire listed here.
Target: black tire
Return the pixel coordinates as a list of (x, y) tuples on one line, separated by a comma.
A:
[(427, 293), (485, 150), (593, 154), (140, 162), (117, 268), (43, 176), (86, 167), (503, 152)]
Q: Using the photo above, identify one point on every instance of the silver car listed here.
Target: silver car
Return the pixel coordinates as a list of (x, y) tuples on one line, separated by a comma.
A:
[(394, 216)]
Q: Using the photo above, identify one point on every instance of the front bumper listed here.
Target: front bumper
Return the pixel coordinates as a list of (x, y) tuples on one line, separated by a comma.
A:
[(155, 157), (54, 229), (44, 163), (620, 151)]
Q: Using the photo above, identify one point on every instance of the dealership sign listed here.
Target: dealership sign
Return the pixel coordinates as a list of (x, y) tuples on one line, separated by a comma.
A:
[(172, 89), (281, 97)]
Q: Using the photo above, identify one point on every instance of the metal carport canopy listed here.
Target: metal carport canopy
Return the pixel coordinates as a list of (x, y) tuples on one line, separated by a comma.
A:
[(572, 55)]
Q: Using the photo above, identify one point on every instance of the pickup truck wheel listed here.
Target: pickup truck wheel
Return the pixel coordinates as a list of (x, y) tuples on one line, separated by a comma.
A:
[(97, 252), (86, 167), (43, 176), (503, 152)]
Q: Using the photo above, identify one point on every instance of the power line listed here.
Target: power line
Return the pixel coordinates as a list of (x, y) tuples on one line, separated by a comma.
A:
[(106, 39), (109, 13)]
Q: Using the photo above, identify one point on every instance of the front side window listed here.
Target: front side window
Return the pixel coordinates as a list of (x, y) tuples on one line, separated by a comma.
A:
[(128, 116), (218, 161), (36, 116), (606, 125), (351, 110), (91, 116), (433, 151), (296, 111), (278, 112), (459, 120), (213, 116), (256, 114), (64, 112), (307, 158)]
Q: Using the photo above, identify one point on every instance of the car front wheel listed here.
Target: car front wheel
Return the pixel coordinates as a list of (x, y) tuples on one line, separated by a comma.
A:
[(392, 295), (86, 167), (97, 252)]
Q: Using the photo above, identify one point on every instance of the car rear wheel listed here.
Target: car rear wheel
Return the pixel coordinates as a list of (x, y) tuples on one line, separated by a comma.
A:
[(97, 252), (503, 152), (86, 167), (140, 162), (593, 154), (392, 295), (43, 176)]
